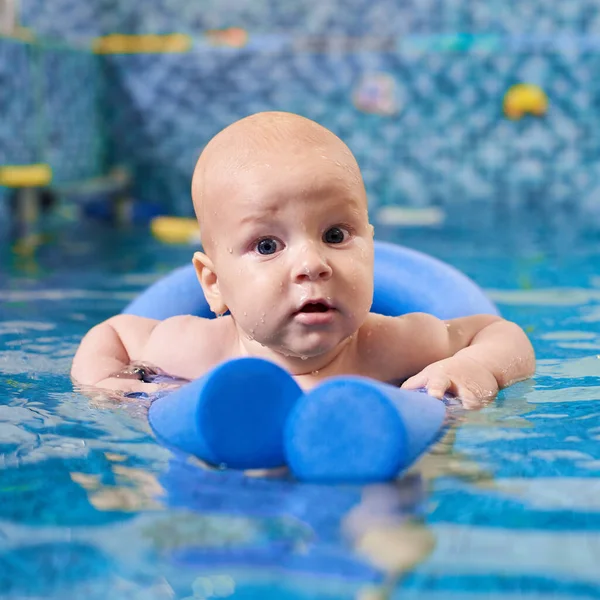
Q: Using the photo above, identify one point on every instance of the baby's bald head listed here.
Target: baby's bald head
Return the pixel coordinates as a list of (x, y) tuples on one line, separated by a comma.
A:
[(259, 140)]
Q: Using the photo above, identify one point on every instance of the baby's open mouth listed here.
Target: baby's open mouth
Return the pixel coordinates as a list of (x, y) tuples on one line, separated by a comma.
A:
[(312, 307)]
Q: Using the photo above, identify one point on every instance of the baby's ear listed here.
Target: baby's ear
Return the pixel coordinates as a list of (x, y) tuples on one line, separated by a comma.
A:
[(207, 277)]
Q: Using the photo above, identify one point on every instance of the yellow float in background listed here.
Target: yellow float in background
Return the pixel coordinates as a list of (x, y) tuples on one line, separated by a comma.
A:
[(117, 43), (525, 98), (25, 176), (21, 33), (175, 230)]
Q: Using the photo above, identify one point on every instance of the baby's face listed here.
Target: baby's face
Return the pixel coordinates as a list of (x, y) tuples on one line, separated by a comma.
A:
[(292, 248)]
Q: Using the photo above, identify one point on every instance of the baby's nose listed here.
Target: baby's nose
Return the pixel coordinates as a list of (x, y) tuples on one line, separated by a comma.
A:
[(311, 264)]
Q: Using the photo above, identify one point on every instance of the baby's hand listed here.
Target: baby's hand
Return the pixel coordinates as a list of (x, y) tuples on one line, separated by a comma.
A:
[(461, 376)]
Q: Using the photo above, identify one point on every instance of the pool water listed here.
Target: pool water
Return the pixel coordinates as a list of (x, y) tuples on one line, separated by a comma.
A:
[(507, 505)]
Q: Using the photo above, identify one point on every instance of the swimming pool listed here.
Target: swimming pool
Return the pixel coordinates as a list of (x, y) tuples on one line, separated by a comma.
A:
[(506, 506)]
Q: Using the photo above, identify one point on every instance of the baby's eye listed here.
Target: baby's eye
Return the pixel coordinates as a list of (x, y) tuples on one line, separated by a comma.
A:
[(267, 246), (335, 235)]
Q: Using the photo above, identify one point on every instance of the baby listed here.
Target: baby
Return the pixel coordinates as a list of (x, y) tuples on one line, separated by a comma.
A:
[(288, 255)]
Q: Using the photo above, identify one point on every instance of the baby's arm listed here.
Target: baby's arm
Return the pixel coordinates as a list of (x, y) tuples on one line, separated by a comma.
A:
[(484, 353), (184, 347), (108, 348), (499, 345)]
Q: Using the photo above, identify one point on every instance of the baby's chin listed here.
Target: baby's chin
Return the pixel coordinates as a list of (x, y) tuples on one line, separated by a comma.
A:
[(300, 347), (306, 351), (303, 353)]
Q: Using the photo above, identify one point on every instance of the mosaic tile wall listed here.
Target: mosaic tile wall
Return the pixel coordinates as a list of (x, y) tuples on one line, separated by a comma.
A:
[(351, 17), (49, 101), (415, 88), (449, 139)]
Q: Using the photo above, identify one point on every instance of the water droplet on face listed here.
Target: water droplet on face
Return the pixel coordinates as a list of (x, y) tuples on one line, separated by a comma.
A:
[(230, 250), (315, 372), (304, 357)]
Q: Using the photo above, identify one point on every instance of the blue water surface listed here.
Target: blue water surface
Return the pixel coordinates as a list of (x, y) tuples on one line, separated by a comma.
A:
[(507, 505)]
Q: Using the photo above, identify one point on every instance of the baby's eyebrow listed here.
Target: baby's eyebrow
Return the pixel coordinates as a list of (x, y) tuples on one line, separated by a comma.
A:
[(259, 216)]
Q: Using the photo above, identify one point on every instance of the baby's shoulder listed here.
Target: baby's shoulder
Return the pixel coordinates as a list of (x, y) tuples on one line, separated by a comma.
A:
[(186, 331), (393, 348), (187, 345), (187, 321), (198, 329), (380, 327)]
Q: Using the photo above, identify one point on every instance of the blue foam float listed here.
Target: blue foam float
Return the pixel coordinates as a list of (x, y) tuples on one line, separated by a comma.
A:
[(249, 413), (233, 416), (352, 428)]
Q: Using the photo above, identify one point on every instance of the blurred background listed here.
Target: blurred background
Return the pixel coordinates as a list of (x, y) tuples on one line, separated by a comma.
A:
[(456, 110), (477, 127)]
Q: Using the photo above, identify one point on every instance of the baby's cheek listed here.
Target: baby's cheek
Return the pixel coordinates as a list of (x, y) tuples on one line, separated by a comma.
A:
[(265, 297), (361, 274), (276, 297), (272, 290)]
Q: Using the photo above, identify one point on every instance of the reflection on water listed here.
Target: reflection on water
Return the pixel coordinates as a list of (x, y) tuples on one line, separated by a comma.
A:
[(504, 506)]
